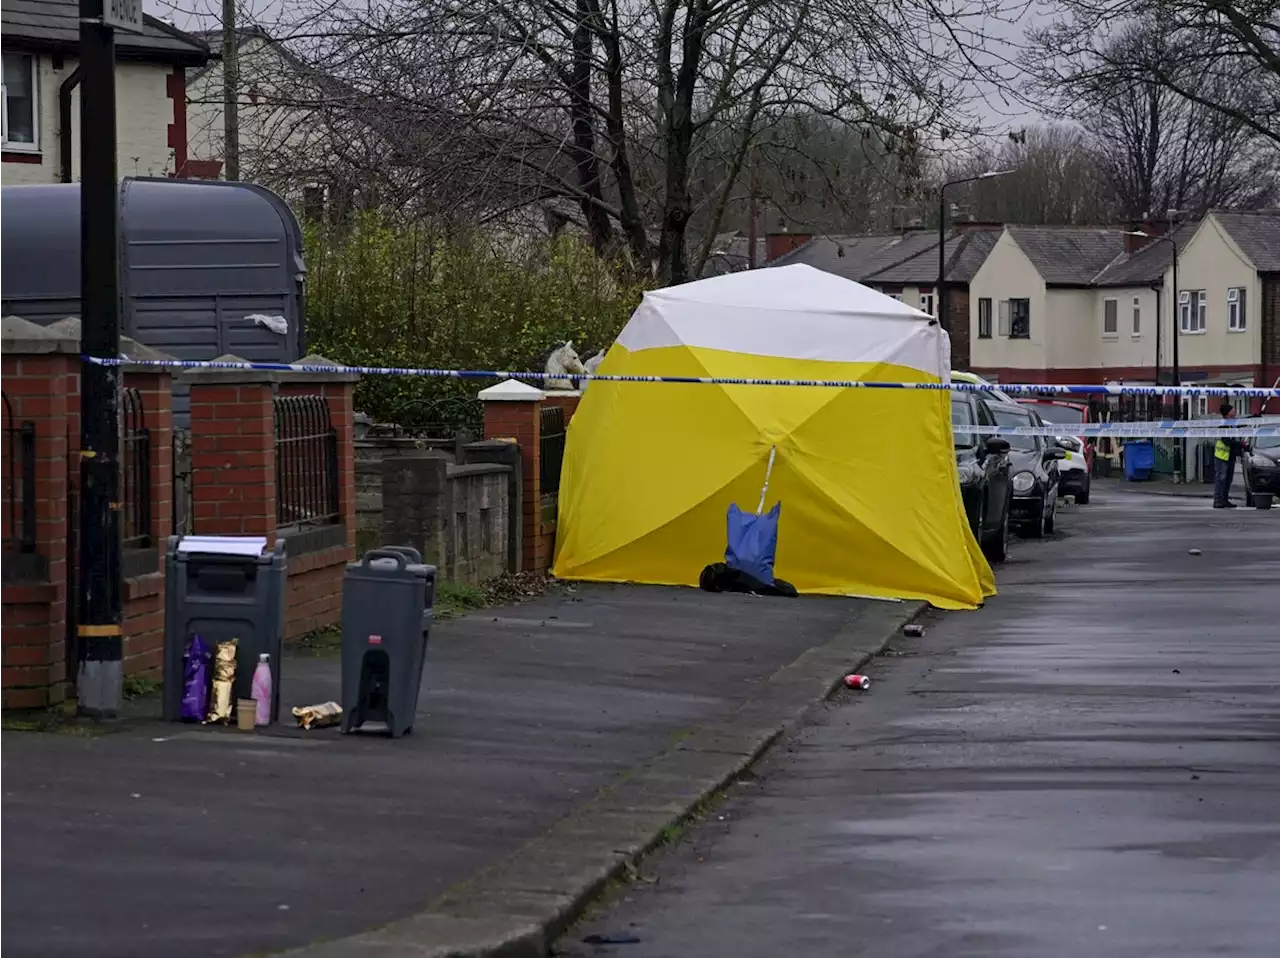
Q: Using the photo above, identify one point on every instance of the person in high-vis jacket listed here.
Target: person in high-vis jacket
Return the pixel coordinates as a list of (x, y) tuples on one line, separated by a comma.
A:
[(1225, 453)]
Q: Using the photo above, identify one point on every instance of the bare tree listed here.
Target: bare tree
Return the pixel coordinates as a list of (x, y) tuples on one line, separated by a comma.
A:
[(642, 114), (1056, 180), (1157, 149)]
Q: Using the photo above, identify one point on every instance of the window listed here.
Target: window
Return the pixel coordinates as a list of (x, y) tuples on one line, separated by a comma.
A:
[(984, 318), (1193, 309), (1019, 319), (926, 302), (1110, 308), (20, 103), (1137, 317), (1235, 309)]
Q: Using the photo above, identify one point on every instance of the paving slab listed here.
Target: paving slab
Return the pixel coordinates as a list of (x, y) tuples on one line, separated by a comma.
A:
[(158, 840)]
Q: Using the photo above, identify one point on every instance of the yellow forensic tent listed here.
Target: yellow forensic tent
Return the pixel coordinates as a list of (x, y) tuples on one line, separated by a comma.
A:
[(866, 477)]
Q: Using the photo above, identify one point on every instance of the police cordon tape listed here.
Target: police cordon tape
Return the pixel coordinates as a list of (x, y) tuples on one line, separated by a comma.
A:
[(1129, 430), (1225, 392)]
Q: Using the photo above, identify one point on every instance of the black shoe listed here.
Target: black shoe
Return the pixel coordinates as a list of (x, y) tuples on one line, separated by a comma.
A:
[(1231, 505), (1219, 505)]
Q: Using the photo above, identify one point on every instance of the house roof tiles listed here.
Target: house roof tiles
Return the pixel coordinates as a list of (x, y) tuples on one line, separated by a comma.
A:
[(55, 25)]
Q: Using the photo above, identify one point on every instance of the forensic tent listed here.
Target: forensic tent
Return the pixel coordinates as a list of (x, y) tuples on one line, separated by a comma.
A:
[(866, 477)]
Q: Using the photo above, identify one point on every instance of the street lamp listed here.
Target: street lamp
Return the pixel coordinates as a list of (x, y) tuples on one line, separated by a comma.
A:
[(942, 238), (1175, 326)]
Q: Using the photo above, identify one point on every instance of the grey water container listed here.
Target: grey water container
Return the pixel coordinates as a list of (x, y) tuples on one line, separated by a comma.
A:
[(221, 597), (387, 601)]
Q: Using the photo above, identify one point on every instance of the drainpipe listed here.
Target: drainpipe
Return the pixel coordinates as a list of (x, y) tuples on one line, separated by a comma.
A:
[(64, 122)]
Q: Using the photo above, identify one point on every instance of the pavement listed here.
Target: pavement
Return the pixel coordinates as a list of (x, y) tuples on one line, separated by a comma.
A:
[(1165, 486), (1086, 766), (555, 740)]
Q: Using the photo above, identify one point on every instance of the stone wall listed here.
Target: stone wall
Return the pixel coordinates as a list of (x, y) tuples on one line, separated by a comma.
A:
[(459, 516), (378, 443)]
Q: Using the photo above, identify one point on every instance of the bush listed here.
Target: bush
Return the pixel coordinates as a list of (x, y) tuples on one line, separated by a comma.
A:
[(383, 293)]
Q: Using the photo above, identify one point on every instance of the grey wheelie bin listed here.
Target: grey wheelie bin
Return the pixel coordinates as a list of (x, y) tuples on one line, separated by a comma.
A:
[(387, 600), (219, 597)]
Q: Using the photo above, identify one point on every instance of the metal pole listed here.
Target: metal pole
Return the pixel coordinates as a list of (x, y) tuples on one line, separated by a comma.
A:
[(99, 682), (1180, 470), (941, 297), (230, 93)]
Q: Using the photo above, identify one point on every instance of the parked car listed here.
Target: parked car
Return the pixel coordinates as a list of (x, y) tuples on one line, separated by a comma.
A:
[(1075, 470), (985, 484), (1033, 464), (1262, 468), (995, 395)]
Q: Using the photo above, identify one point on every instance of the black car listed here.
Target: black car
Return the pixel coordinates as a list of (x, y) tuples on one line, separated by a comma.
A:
[(1262, 467), (985, 484), (1033, 464)]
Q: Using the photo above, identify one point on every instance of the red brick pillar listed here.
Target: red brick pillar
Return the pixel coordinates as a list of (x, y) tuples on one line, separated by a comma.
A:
[(513, 411), (144, 589), (40, 370), (567, 401), (233, 473)]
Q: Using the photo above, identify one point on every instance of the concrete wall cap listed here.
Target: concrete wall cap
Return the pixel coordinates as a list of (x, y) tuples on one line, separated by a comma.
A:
[(27, 338), (511, 390), (339, 374), (228, 377), (130, 348)]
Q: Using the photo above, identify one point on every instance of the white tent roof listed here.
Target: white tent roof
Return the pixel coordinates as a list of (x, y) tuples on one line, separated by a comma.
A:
[(792, 312)]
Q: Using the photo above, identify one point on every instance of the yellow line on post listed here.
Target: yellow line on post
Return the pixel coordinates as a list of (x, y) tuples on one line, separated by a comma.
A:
[(98, 631)]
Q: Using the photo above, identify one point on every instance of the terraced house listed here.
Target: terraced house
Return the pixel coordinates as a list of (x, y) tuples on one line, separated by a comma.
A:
[(1067, 304), (41, 102)]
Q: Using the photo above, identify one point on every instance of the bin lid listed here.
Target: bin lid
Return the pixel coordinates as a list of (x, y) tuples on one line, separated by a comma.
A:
[(388, 566)]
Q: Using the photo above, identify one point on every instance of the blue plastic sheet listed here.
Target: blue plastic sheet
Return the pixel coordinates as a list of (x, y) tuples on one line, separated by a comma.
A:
[(753, 542)]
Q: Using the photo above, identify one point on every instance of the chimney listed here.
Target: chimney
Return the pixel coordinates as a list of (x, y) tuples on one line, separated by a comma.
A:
[(1152, 228), (779, 244)]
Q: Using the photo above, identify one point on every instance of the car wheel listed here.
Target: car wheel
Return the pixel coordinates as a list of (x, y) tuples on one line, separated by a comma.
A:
[(1082, 497), (997, 547), (1052, 516), (1035, 529)]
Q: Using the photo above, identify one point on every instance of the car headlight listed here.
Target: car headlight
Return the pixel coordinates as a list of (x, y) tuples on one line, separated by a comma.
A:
[(1023, 482)]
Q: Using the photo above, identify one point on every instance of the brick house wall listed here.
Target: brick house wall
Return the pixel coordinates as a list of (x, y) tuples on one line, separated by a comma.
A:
[(1269, 368), (957, 321)]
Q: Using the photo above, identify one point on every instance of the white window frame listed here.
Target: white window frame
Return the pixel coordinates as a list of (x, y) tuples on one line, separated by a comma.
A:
[(34, 146), (1013, 332), (1237, 310), (984, 301), (1137, 319), (929, 303), (1189, 324), (1110, 318)]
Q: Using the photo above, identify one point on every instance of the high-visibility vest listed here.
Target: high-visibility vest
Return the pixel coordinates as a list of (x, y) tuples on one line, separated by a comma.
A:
[(1221, 450)]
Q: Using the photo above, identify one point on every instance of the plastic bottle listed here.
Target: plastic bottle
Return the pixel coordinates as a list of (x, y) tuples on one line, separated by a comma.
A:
[(262, 689)]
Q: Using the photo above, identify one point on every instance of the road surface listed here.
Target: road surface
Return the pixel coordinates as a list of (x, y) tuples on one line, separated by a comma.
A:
[(1090, 765)]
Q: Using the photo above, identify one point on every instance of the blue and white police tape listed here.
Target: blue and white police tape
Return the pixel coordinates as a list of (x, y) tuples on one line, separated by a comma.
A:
[(1130, 430), (1033, 389)]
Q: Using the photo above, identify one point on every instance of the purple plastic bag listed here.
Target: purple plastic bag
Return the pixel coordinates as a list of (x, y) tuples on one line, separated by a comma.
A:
[(195, 671)]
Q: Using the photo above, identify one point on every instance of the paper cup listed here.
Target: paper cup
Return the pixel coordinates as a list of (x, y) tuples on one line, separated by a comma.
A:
[(246, 714)]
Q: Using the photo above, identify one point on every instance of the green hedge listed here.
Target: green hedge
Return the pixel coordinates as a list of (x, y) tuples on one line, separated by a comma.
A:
[(382, 293)]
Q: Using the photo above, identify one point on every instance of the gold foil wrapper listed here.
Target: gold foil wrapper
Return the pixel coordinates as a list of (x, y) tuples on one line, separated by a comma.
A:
[(224, 677), (318, 716)]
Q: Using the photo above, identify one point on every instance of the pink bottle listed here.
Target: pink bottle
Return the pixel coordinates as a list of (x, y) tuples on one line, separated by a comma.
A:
[(262, 690)]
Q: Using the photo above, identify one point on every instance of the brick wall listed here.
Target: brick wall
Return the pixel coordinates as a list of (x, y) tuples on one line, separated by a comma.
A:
[(958, 324), (1270, 359), (233, 475), (37, 387), (521, 421)]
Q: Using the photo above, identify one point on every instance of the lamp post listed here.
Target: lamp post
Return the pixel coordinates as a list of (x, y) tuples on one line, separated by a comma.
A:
[(1181, 406), (941, 297)]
